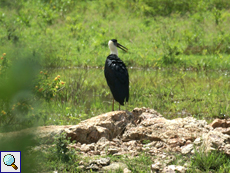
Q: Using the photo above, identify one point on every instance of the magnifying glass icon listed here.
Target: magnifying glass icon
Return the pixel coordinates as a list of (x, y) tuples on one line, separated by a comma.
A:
[(9, 160)]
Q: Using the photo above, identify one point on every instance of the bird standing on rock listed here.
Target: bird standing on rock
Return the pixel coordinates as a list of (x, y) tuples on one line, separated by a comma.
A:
[(116, 74)]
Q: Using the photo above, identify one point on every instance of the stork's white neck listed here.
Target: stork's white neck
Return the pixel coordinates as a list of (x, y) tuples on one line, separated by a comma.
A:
[(113, 48)]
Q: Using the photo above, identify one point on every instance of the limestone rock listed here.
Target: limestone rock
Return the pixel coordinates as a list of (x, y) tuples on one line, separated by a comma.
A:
[(224, 123), (101, 161), (215, 140), (156, 167), (187, 149), (142, 130), (174, 169), (107, 125), (114, 166), (93, 167), (197, 141), (126, 170), (171, 132), (86, 148), (112, 151)]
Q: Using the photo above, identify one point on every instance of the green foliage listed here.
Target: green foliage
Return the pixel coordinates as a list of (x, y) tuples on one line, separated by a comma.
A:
[(140, 164), (57, 156), (20, 92), (69, 33), (210, 161), (20, 142), (146, 141), (63, 153), (15, 94), (167, 7), (4, 65), (46, 88)]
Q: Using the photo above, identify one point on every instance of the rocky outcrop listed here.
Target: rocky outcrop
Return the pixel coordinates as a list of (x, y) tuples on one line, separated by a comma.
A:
[(142, 130), (121, 132)]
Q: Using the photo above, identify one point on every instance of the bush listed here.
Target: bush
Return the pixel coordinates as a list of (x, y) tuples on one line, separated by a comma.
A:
[(167, 7)]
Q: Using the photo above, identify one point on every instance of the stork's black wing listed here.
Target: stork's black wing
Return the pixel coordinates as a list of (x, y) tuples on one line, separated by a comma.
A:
[(117, 78)]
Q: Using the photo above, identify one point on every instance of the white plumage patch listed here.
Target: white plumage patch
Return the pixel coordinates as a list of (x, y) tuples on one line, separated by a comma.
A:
[(112, 47)]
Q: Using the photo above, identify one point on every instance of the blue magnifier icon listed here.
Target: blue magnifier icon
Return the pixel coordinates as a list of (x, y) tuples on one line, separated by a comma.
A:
[(9, 160)]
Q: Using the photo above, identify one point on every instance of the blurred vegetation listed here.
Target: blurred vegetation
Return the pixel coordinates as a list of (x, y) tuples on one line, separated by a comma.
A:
[(157, 33), (53, 53)]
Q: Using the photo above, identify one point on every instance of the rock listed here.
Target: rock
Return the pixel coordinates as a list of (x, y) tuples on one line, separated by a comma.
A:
[(226, 149), (86, 148), (197, 141), (101, 161), (156, 167), (126, 170), (112, 151), (186, 149), (170, 132), (115, 166), (81, 167), (103, 153), (81, 162), (223, 130), (220, 123), (159, 144), (107, 125), (130, 133), (94, 152), (174, 169), (92, 167), (214, 140), (102, 143)]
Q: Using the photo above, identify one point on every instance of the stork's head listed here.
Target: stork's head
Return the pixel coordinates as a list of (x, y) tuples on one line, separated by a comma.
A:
[(113, 44)]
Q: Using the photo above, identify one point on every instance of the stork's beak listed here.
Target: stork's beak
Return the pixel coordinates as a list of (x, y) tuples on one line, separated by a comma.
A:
[(122, 47)]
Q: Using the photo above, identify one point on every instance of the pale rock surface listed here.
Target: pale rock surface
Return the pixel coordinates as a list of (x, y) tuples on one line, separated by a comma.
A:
[(126, 170), (186, 149), (93, 167), (115, 166), (156, 167), (101, 162), (142, 130), (174, 169), (224, 123)]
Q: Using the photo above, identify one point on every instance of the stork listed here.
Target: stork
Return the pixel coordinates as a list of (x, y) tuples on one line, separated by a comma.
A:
[(116, 74)]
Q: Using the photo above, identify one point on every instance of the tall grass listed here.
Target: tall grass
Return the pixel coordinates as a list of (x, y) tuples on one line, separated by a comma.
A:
[(210, 161), (69, 33), (173, 93)]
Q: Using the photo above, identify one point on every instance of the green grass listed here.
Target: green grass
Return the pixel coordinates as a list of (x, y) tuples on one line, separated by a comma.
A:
[(172, 93), (67, 33), (59, 157), (213, 161), (56, 157)]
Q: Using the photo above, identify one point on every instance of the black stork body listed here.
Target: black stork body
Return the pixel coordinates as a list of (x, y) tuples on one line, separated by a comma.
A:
[(116, 74)]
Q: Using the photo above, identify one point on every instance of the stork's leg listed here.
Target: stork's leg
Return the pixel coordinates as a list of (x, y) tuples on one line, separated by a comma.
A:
[(113, 105)]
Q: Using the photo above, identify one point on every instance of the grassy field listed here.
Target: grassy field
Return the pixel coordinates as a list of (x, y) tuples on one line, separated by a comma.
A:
[(68, 33), (53, 53)]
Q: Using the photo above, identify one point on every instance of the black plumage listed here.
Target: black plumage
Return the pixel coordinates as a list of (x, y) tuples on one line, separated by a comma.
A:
[(117, 77)]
